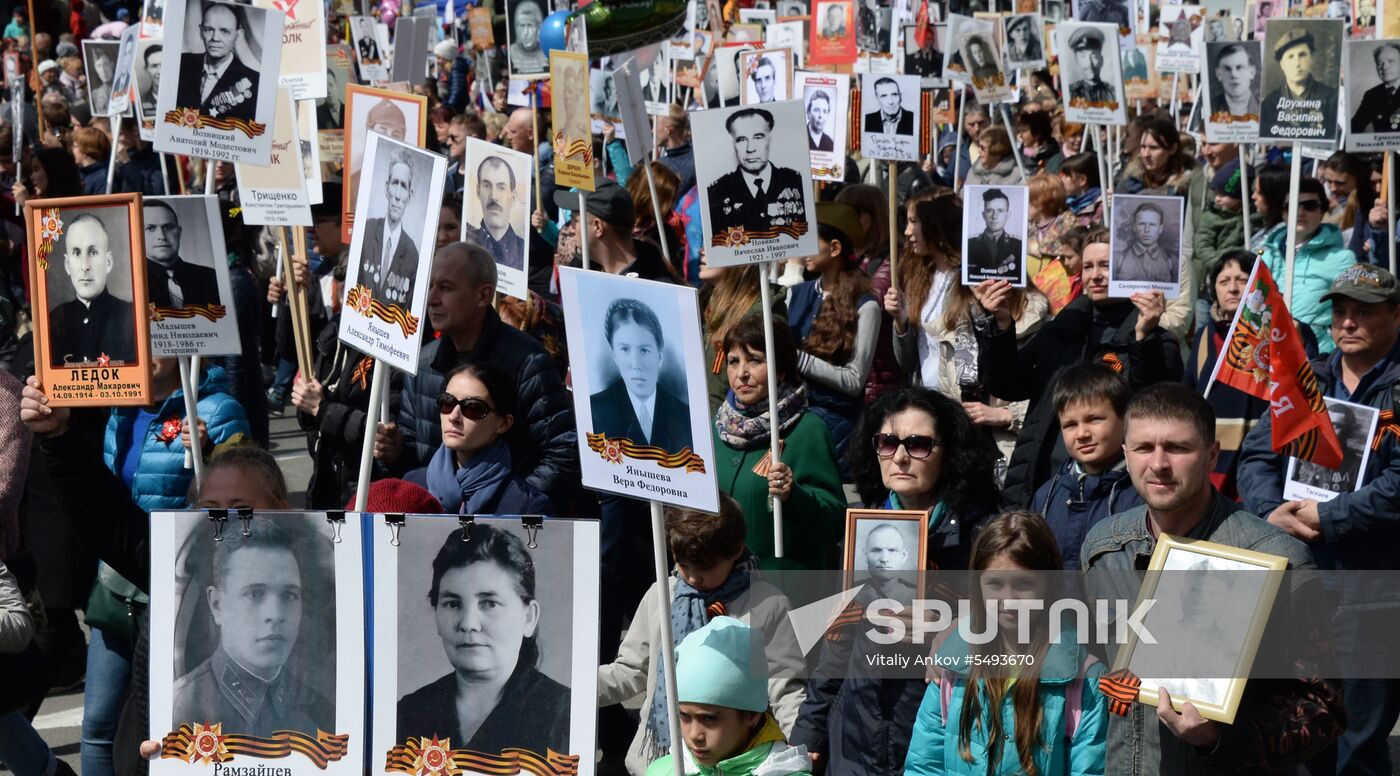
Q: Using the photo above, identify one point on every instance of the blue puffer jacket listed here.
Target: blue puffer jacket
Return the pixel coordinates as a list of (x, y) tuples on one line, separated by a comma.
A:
[(162, 481), (1073, 502)]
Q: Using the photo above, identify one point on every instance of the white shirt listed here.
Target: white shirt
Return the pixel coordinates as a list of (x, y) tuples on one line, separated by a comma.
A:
[(752, 181), (211, 76), (645, 410), (930, 350)]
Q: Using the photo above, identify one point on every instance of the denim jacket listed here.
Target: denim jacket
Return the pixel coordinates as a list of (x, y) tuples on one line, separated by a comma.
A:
[(1280, 722)]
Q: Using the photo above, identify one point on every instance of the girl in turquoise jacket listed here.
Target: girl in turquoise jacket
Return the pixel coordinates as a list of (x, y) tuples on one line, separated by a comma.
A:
[(1046, 718)]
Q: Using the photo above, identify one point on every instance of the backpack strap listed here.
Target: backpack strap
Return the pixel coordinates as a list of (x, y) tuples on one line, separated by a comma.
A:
[(1074, 698)]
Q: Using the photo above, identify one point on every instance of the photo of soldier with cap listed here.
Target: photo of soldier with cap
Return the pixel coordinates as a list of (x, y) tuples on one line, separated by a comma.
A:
[(1301, 79), (1086, 45), (1091, 84)]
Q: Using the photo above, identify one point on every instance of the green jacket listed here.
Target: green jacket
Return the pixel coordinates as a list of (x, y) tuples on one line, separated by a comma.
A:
[(769, 756), (813, 512), (1217, 232)]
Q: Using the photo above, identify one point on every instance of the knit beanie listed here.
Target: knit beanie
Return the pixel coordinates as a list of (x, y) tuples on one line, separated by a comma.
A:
[(398, 497), (1227, 179), (722, 664)]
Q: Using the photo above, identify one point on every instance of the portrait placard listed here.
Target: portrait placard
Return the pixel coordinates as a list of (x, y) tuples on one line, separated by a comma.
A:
[(307, 138), (1373, 94), (790, 35), (100, 66), (368, 110), (303, 68), (890, 124), (189, 293), (994, 234), (825, 97), (1180, 37), (873, 25), (1231, 96), (497, 211), (370, 52), (150, 55), (632, 105), (953, 67), (275, 194), (602, 96), (524, 54), (1140, 80), (767, 76), (340, 71), (548, 609), (413, 43), (755, 192), (479, 26), (886, 549), (925, 59), (635, 343), (833, 33), (1145, 246), (1091, 79), (1225, 20), (652, 64), (231, 118), (391, 251), (573, 140), (1118, 13), (1302, 72), (1355, 425), (152, 19), (983, 62), (760, 16), (728, 84), (275, 608), (120, 102), (1025, 42), (87, 282)]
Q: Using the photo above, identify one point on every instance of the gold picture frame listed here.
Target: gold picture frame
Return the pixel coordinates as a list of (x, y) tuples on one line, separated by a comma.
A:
[(908, 521)]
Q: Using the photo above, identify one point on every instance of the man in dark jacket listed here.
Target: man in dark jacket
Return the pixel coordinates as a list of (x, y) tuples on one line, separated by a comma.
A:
[(1354, 530), (459, 306)]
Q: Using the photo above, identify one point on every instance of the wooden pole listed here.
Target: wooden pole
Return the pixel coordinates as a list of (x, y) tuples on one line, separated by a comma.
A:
[(774, 424), (1294, 173), (668, 638), (193, 391), (534, 130), (305, 346), (378, 384), (1388, 186), (894, 226)]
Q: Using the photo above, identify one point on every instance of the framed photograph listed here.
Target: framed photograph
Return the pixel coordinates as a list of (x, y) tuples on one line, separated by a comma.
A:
[(954, 69), (1145, 245), (833, 33), (1139, 79), (228, 119), (825, 97), (573, 137), (1025, 42), (886, 549), (1180, 36), (994, 234), (375, 111), (100, 65), (391, 251), (788, 9), (755, 194), (767, 75), (1355, 425), (370, 51), (1302, 74), (275, 195), (87, 281), (340, 71), (12, 69), (524, 55), (272, 611), (1373, 77), (150, 55), (890, 122), (543, 582), (729, 75), (1231, 93), (925, 58), (638, 364), (873, 25), (152, 19), (1090, 76), (1212, 604), (497, 211), (761, 16), (303, 48), (983, 61), (188, 291), (1261, 11)]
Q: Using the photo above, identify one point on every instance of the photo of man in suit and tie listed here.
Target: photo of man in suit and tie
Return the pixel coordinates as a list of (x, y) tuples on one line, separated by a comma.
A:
[(171, 280), (889, 116), (636, 405), (217, 82), (757, 195), (388, 256)]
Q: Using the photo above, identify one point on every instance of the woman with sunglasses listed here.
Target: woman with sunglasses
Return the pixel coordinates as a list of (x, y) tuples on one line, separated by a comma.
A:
[(470, 474), (1319, 258)]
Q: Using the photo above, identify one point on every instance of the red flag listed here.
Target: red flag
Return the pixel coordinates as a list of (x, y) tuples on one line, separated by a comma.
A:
[(1264, 357), (922, 29)]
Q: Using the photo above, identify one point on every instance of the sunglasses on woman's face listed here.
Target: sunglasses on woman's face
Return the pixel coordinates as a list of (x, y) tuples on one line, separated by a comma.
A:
[(917, 446), (472, 407), (1311, 205)]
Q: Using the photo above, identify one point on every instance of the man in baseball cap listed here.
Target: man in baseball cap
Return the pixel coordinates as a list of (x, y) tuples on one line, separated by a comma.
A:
[(611, 244)]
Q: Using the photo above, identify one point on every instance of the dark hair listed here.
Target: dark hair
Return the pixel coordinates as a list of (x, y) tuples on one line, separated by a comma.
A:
[(1074, 239), (1086, 164), (1173, 401), (967, 484), (1232, 48), (702, 539), (763, 61), (1243, 259), (496, 161), (153, 49), (748, 334), (993, 194), (1272, 184), (1088, 382), (1149, 207), (500, 388), (745, 113), (62, 171), (264, 534), (149, 202), (250, 457), (869, 201), (833, 333), (1165, 133), (1314, 186), (1037, 123), (476, 543), (631, 311)]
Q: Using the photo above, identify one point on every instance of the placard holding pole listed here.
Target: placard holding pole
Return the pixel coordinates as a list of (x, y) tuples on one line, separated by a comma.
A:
[(668, 639), (376, 390), (1244, 198), (774, 444), (187, 386), (632, 105), (1295, 172)]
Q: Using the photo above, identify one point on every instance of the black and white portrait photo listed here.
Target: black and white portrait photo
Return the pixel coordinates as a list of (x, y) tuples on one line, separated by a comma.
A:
[(924, 58), (982, 59), (1181, 33), (1373, 94), (219, 97), (1145, 245), (92, 318), (1090, 73), (824, 98), (524, 52), (767, 75), (186, 266), (872, 25), (831, 20), (1302, 72), (1355, 425), (754, 189), (475, 636), (1025, 42), (152, 18), (150, 55), (391, 250), (497, 210), (370, 55), (790, 8), (639, 376), (1232, 91), (886, 550), (330, 110), (261, 634), (100, 64), (994, 219), (602, 95), (820, 103), (120, 101), (890, 120), (1119, 13)]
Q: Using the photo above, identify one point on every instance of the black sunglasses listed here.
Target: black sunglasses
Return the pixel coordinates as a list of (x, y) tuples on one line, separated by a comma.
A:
[(917, 446), (472, 407), (1309, 204)]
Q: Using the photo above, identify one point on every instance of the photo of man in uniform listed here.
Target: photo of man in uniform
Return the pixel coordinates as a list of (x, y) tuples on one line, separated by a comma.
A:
[(889, 117), (330, 111), (389, 258), (1235, 74), (525, 54), (495, 193), (368, 44), (925, 60), (1294, 54), (216, 81), (1089, 89), (151, 59), (255, 597), (1143, 258), (95, 325), (834, 21), (758, 194), (1379, 109), (1351, 424), (172, 282), (889, 561), (818, 113), (994, 253)]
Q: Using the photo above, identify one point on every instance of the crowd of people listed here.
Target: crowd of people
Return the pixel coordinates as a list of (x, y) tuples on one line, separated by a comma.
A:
[(1045, 428)]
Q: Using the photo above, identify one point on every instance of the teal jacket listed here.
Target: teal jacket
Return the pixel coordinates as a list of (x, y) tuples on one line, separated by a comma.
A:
[(1317, 263), (1072, 747)]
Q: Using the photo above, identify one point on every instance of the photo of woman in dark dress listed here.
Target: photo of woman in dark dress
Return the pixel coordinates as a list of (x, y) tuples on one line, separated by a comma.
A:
[(636, 405)]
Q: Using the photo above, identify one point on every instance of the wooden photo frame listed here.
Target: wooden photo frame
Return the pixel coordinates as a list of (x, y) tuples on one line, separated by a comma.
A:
[(363, 108), (1181, 599), (92, 341), (902, 563)]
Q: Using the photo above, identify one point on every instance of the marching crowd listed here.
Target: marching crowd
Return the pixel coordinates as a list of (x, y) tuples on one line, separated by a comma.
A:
[(1051, 427)]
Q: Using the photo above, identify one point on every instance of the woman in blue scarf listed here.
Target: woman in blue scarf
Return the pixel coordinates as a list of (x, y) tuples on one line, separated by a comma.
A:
[(470, 474)]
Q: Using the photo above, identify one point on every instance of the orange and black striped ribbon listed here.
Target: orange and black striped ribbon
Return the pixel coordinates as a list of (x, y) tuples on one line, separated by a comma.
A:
[(854, 117), (716, 609), (360, 300), (851, 615), (50, 229), (406, 758), (211, 311), (583, 149), (1121, 689), (613, 450), (1112, 361), (189, 117), (925, 122), (740, 236), (361, 373), (322, 749), (1386, 426)]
